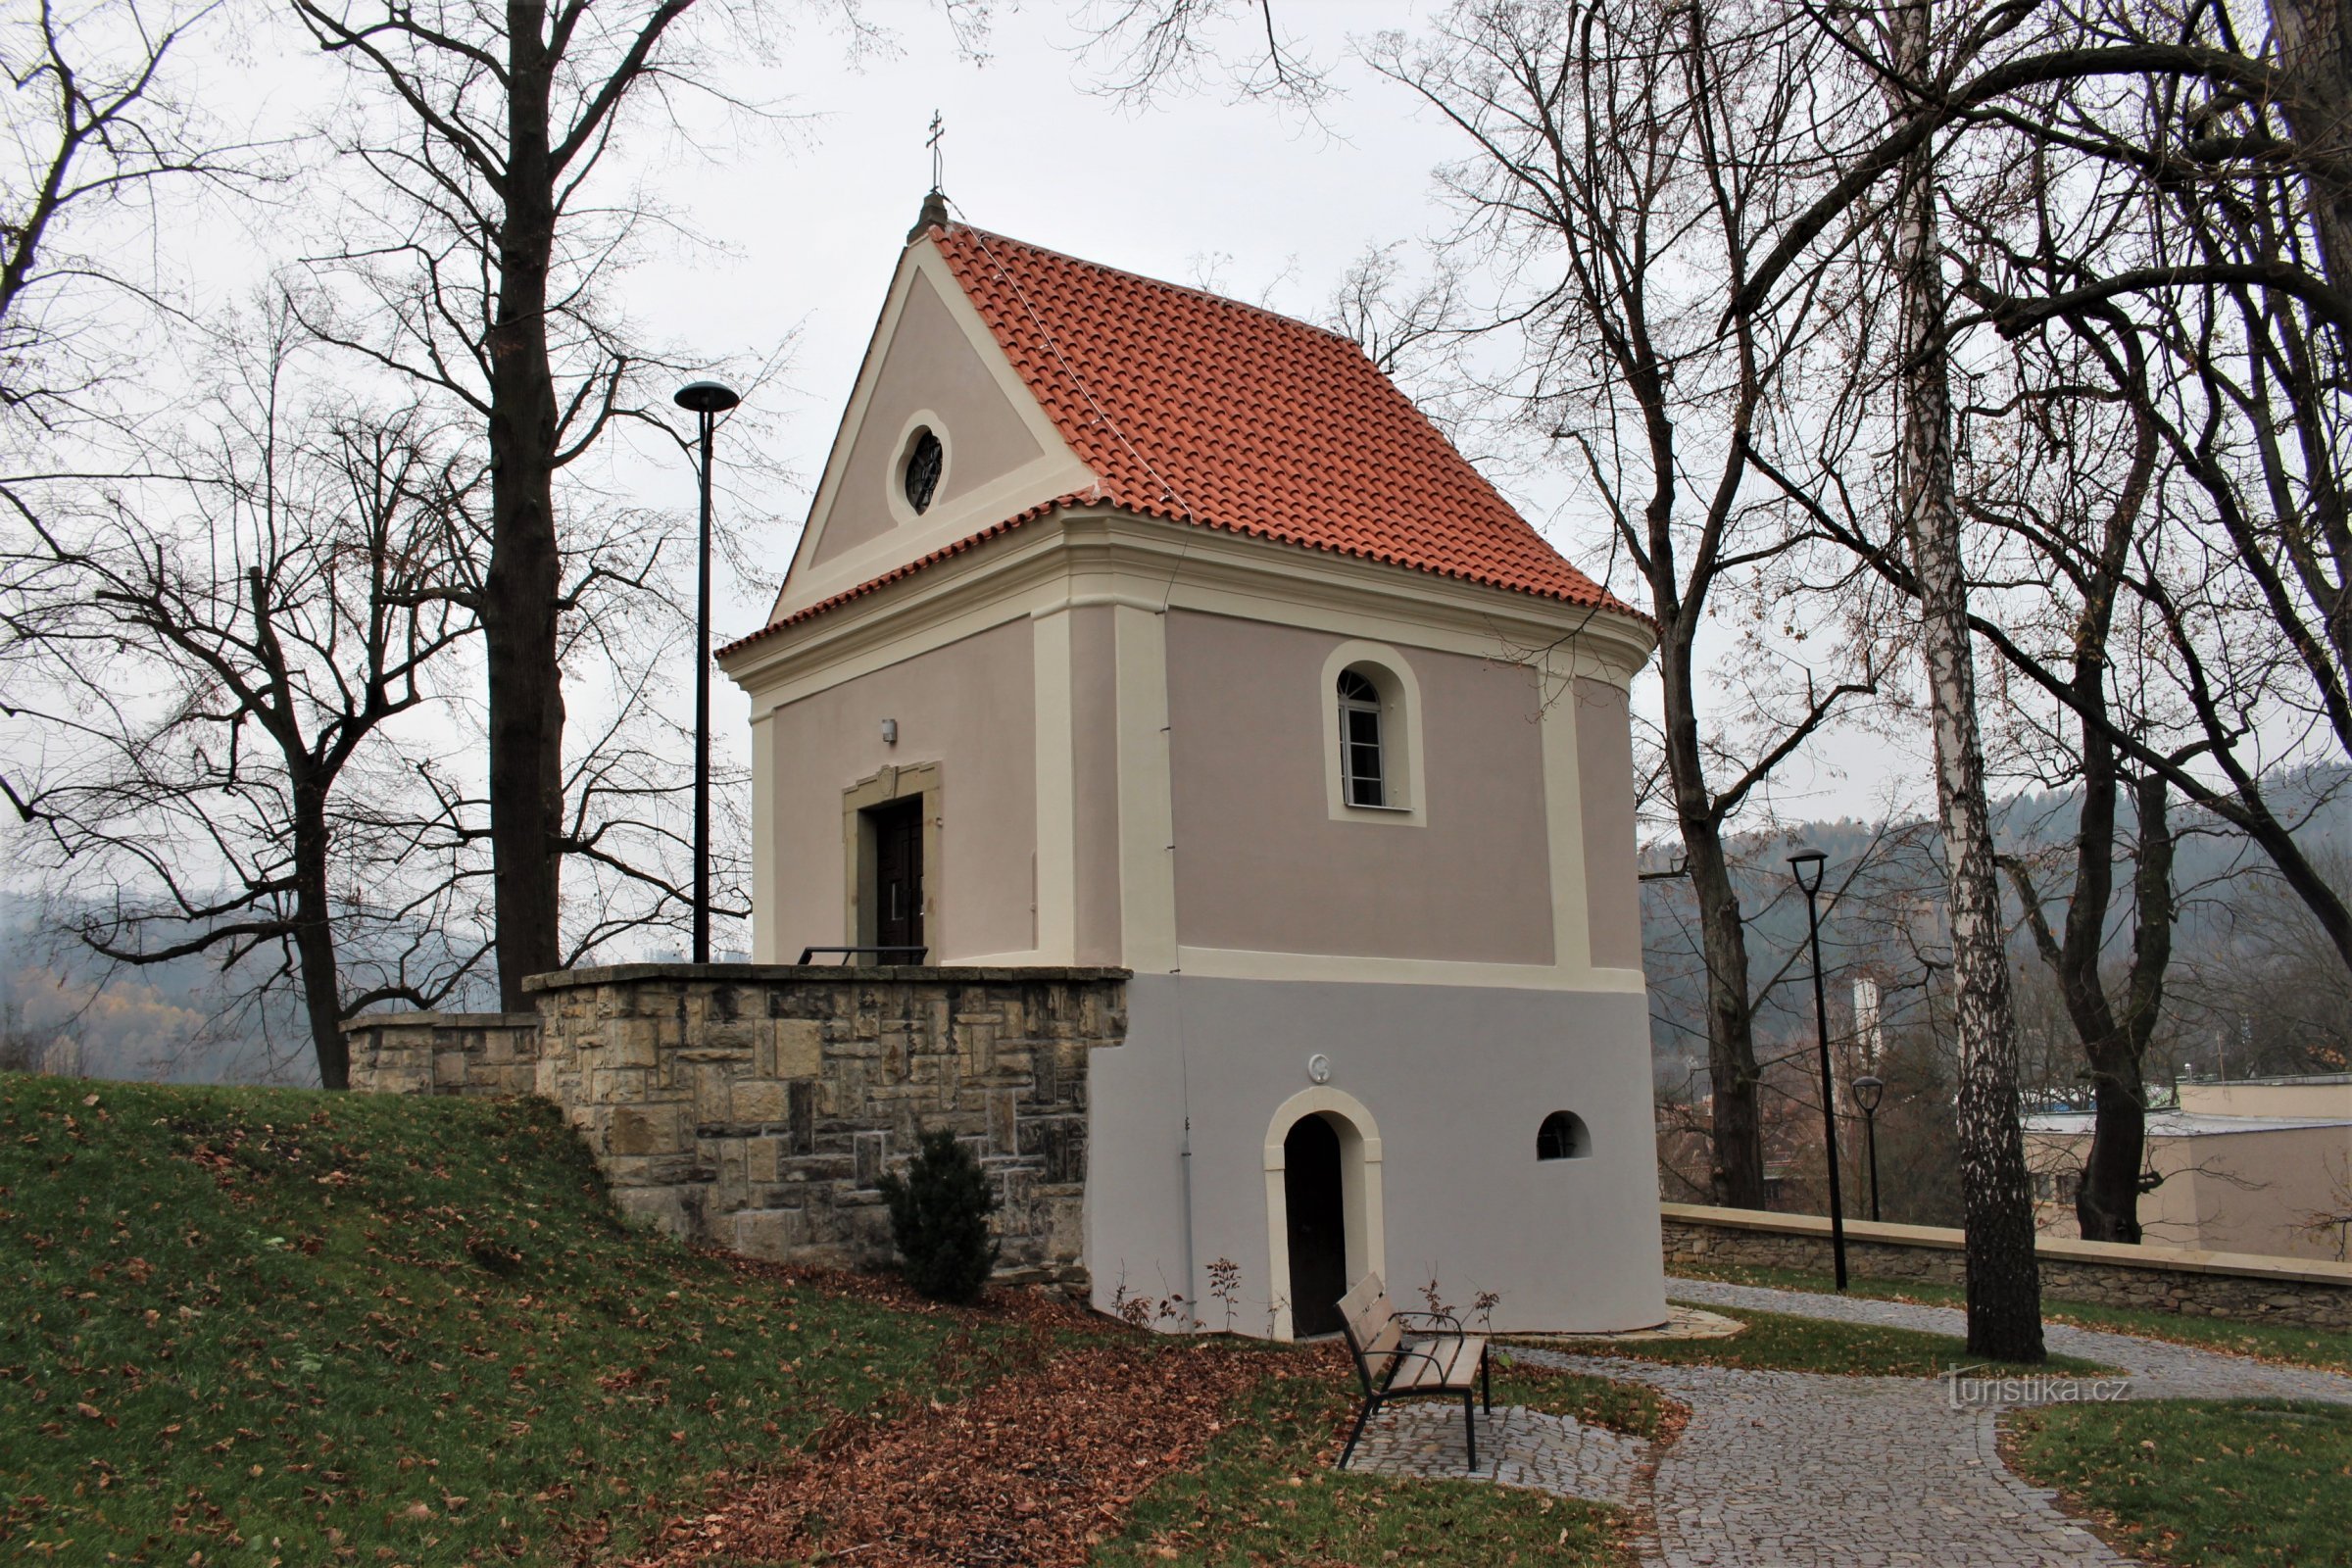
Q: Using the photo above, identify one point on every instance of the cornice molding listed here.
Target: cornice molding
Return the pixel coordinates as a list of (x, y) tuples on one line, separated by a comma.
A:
[(1095, 554)]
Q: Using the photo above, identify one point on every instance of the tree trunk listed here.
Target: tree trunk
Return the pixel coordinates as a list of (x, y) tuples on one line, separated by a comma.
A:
[(314, 935), (2004, 1285), (2108, 1205), (1736, 1170), (2315, 47), (518, 611)]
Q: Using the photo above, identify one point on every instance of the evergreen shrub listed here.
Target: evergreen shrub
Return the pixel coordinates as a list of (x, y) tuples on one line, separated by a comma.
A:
[(939, 1217)]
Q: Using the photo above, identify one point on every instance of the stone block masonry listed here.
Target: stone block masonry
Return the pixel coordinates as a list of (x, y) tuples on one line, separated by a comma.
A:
[(444, 1053), (756, 1107), (2236, 1286)]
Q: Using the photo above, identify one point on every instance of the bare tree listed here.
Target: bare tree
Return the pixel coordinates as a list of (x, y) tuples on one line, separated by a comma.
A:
[(485, 130), (2212, 283), (224, 659), (1628, 164), (91, 129)]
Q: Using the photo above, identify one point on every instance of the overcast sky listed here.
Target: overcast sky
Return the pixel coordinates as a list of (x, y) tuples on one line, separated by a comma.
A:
[(805, 219)]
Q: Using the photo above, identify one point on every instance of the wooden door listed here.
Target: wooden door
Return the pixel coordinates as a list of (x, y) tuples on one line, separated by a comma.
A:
[(898, 873)]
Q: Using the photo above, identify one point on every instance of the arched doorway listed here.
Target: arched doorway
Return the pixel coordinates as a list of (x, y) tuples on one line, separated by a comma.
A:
[(1315, 1212), (1345, 1141)]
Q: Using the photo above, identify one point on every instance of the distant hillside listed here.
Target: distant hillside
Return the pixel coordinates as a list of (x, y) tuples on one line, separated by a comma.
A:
[(2239, 929)]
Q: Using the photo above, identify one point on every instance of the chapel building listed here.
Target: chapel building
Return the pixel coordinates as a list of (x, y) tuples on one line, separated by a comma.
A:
[(1135, 626)]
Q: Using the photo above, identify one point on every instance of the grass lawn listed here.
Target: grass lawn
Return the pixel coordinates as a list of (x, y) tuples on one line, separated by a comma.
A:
[(2199, 1482), (2270, 1342), (280, 1327), (1265, 1493), (1775, 1341)]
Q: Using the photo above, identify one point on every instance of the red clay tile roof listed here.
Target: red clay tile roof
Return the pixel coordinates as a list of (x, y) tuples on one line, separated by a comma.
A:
[(1206, 411)]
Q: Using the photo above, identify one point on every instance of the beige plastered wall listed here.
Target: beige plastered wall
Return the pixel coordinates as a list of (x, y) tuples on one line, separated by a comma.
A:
[(969, 709), (1261, 864), (1177, 727)]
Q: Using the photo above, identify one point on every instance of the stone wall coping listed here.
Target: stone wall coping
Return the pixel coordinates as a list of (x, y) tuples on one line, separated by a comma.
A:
[(2054, 1249), (441, 1020), (770, 973)]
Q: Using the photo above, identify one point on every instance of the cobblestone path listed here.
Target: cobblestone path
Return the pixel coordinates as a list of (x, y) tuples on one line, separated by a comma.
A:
[(1791, 1469), (1516, 1447)]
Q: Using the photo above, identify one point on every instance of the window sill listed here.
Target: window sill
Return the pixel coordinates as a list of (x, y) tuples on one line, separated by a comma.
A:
[(1400, 811)]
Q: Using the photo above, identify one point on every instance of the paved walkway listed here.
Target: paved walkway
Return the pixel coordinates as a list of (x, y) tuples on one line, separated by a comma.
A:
[(1516, 1447), (1784, 1469)]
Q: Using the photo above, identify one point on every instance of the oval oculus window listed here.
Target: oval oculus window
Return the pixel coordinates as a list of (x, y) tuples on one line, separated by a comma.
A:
[(925, 458)]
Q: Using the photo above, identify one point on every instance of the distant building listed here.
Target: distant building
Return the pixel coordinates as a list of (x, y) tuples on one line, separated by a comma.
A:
[(2253, 1166)]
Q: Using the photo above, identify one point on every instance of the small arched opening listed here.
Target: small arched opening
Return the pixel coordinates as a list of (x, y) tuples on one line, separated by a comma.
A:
[(1563, 1136)]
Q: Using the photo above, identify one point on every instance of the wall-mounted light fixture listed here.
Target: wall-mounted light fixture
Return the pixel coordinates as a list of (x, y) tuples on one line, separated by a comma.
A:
[(890, 732)]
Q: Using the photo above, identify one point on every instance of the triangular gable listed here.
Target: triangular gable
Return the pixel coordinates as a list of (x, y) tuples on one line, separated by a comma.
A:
[(932, 365)]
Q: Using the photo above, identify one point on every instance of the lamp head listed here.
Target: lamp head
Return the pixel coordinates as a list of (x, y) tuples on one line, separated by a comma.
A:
[(1868, 1092), (706, 397), (1805, 866)]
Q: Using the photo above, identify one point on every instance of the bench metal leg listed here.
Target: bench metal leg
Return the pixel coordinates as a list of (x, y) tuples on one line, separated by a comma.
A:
[(1485, 1377), (1470, 1430), (1361, 1416)]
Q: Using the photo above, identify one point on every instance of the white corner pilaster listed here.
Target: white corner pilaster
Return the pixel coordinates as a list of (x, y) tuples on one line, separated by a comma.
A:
[(1146, 818), (1056, 791), (1564, 822), (767, 891)]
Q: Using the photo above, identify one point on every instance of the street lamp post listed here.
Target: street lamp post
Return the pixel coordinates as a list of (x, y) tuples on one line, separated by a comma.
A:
[(1805, 866), (1868, 1092), (705, 401)]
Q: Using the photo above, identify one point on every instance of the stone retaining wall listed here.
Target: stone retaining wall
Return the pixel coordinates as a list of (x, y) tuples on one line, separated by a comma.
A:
[(444, 1053), (757, 1107), (2164, 1279)]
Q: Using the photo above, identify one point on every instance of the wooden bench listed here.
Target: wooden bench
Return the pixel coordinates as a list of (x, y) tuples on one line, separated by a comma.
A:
[(1397, 1362)]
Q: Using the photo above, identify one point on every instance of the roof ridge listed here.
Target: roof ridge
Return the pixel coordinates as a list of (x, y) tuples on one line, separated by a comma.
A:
[(1161, 282)]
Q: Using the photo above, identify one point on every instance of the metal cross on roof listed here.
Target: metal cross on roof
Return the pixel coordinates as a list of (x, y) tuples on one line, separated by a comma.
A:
[(939, 129)]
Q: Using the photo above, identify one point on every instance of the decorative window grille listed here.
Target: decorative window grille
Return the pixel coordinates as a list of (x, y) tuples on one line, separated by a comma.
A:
[(924, 460)]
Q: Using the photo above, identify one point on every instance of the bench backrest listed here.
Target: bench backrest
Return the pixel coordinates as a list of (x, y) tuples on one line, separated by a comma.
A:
[(1368, 1318)]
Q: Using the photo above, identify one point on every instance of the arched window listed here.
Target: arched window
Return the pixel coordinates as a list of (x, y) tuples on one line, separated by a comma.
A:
[(1563, 1137), (1363, 762)]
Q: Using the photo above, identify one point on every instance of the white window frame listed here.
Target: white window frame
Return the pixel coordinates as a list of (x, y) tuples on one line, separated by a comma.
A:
[(1400, 748)]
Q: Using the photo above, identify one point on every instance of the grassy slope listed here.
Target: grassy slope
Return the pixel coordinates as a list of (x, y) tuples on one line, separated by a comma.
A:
[(313, 1324), (2200, 1483), (2271, 1342), (276, 1326)]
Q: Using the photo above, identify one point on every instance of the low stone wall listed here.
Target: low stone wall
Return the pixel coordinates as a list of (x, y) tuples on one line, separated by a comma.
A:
[(444, 1053), (757, 1106), (2164, 1279)]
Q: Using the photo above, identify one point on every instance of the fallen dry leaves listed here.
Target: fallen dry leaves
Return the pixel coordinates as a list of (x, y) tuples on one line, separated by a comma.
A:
[(1033, 1468)]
